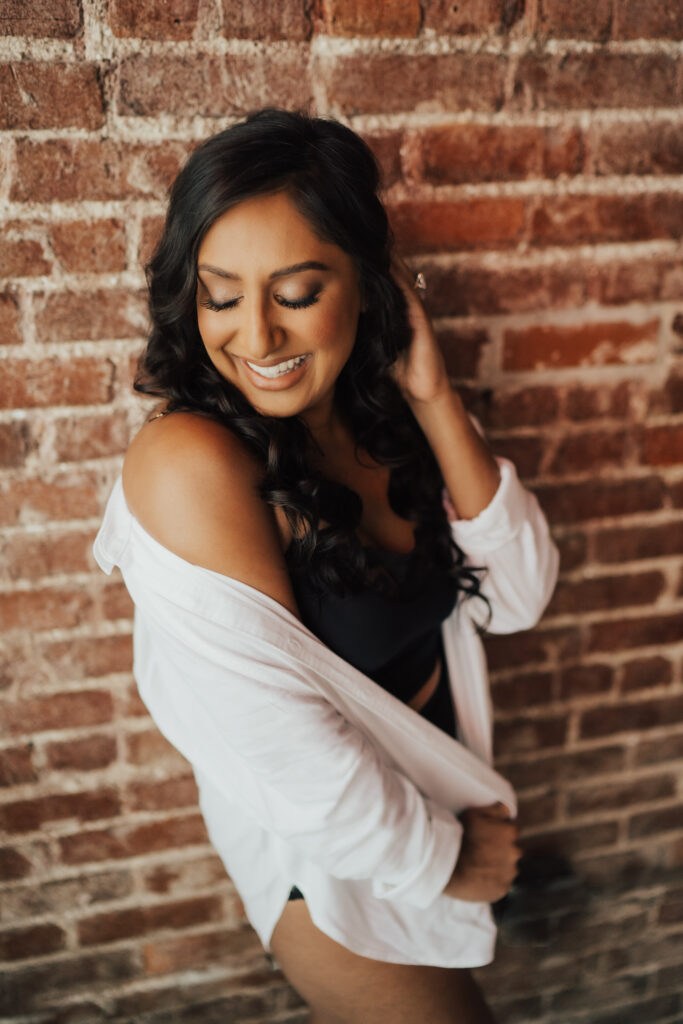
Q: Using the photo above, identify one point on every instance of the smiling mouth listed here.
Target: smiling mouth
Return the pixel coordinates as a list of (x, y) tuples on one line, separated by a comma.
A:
[(277, 369)]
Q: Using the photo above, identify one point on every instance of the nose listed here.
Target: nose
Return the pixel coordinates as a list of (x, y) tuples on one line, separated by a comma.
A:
[(262, 334)]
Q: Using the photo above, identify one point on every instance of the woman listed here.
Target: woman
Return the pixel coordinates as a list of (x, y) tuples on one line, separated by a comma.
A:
[(307, 617)]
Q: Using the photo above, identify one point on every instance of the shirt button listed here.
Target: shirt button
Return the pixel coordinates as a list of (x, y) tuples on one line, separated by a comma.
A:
[(294, 645)]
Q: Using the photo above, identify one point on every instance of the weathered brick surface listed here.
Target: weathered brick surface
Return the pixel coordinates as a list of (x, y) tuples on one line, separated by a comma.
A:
[(43, 95), (532, 164)]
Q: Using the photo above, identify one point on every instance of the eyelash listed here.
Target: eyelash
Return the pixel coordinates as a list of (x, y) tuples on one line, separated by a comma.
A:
[(215, 307)]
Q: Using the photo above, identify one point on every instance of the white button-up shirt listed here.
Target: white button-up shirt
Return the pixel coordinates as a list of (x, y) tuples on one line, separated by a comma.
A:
[(309, 773)]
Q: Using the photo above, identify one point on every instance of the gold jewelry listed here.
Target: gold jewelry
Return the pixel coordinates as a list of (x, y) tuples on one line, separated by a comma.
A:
[(420, 283)]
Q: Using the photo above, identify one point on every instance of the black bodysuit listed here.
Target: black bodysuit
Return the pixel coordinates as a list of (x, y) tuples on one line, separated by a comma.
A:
[(395, 640)]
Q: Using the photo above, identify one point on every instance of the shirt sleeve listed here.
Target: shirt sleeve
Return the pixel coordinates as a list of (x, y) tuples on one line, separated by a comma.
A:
[(510, 538), (248, 718)]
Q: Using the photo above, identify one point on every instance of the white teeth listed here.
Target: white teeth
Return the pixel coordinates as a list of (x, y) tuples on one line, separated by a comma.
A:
[(278, 368)]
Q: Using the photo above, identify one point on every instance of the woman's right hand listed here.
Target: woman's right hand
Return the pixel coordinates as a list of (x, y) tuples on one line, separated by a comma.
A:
[(487, 864)]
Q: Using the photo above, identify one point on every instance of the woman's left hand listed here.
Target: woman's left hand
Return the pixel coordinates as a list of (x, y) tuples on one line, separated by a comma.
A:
[(420, 370)]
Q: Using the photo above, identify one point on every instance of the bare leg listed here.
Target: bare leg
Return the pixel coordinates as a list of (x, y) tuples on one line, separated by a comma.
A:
[(341, 987)]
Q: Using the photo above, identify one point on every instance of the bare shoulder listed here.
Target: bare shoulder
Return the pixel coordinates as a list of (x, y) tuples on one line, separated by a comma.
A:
[(194, 486)]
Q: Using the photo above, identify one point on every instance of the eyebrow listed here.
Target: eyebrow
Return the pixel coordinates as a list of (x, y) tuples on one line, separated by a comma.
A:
[(295, 268)]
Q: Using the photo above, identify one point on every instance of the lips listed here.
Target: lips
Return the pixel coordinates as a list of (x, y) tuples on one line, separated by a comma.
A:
[(276, 378)]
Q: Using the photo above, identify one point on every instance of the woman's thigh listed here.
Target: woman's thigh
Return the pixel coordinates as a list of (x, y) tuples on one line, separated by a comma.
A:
[(343, 988)]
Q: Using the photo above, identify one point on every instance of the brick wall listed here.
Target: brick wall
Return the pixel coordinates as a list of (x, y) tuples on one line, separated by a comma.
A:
[(533, 158)]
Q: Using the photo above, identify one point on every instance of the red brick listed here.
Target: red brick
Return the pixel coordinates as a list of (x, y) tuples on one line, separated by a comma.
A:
[(370, 17), (35, 940), (197, 950), (482, 290), (647, 21), (116, 602), (133, 706), (661, 446), (663, 820), (148, 19), (537, 810), (83, 657), (645, 672), (29, 815), (521, 407), (564, 767), (9, 320), (29, 986), (635, 147), (391, 83), (162, 796), (464, 224), (15, 444), (210, 86), (669, 398), (644, 280), (606, 592), (186, 874), (36, 94), (606, 797), (522, 690), (590, 344), (530, 734), (16, 765), (460, 153), (133, 921), (151, 748), (525, 452), (91, 437), (387, 151), (473, 17), (58, 711), (657, 630), (632, 717), (57, 19), (21, 256), (76, 316), (30, 556), (132, 840), (87, 754), (638, 542), (463, 348), (82, 169), (568, 220), (585, 403), (569, 503), (573, 550), (583, 19), (569, 841), (90, 247), (63, 497), (585, 680), (150, 233), (13, 864), (593, 80), (532, 647), (53, 381), (45, 608), (582, 453), (267, 19)]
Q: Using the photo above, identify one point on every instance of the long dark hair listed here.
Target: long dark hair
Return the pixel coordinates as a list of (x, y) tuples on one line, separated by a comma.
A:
[(331, 176)]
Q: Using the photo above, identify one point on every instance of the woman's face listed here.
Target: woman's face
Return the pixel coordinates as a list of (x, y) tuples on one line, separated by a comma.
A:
[(277, 307)]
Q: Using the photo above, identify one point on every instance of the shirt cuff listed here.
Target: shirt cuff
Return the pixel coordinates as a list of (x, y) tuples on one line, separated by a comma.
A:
[(429, 881), (500, 520)]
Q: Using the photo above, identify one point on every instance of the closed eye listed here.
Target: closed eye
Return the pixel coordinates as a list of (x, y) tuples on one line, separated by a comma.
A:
[(218, 307), (308, 300)]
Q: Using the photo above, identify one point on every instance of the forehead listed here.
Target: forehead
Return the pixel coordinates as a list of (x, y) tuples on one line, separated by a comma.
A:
[(264, 230)]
